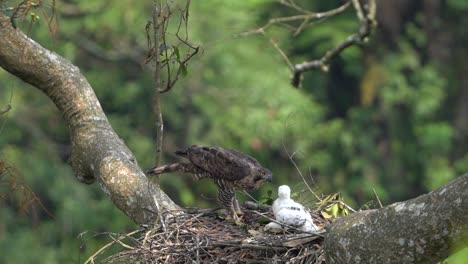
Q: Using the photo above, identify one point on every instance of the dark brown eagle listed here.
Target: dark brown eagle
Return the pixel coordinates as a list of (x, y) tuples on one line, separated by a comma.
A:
[(230, 169)]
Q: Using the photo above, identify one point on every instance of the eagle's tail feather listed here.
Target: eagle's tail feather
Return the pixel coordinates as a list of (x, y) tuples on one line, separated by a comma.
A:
[(179, 167)]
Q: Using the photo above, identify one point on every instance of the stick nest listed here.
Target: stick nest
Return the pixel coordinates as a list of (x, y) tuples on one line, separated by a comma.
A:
[(201, 236)]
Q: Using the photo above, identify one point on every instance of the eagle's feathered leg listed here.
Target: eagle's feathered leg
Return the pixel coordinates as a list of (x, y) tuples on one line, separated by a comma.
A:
[(237, 207), (227, 198)]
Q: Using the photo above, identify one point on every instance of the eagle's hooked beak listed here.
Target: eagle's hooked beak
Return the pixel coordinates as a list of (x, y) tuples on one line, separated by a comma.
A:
[(269, 178)]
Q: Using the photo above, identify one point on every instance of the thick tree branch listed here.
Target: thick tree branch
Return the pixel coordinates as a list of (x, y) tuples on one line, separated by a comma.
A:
[(422, 230), (97, 151)]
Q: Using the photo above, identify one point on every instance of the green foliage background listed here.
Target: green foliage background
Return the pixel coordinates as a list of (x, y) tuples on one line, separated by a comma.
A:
[(386, 116)]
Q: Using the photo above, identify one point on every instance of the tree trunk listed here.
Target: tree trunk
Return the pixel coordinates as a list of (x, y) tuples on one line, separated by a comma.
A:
[(97, 151), (422, 230)]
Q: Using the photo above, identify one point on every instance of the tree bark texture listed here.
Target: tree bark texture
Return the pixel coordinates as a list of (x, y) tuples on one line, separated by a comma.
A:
[(425, 229), (97, 151)]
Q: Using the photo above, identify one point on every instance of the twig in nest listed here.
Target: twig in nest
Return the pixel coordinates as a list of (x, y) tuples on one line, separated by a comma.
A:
[(160, 214), (250, 196), (377, 198), (256, 206), (347, 206), (101, 250), (248, 246)]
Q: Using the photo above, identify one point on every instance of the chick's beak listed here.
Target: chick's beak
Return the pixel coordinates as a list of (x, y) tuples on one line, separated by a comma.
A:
[(269, 178)]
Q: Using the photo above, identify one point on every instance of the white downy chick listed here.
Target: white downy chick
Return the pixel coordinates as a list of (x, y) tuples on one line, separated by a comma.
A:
[(290, 213)]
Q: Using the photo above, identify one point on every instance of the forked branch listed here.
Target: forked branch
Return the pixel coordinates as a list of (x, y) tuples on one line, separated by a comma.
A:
[(305, 18), (367, 22)]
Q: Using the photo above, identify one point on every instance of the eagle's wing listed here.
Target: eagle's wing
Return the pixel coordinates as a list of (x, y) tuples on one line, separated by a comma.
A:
[(245, 157), (222, 163)]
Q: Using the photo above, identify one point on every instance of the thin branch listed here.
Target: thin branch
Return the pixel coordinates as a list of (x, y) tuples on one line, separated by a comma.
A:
[(179, 70), (293, 5), (367, 23), (119, 241), (160, 214), (377, 198), (305, 16), (161, 16), (248, 246), (157, 83), (347, 206), (281, 52), (182, 64), (101, 250), (5, 109), (291, 158)]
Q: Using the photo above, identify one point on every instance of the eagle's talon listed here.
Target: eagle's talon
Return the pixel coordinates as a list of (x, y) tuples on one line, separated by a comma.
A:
[(234, 219), (236, 207)]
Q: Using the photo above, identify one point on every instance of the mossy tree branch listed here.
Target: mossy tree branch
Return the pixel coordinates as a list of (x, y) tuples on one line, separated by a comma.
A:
[(426, 229)]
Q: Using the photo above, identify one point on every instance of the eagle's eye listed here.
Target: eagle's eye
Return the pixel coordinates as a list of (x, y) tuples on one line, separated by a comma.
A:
[(262, 173)]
